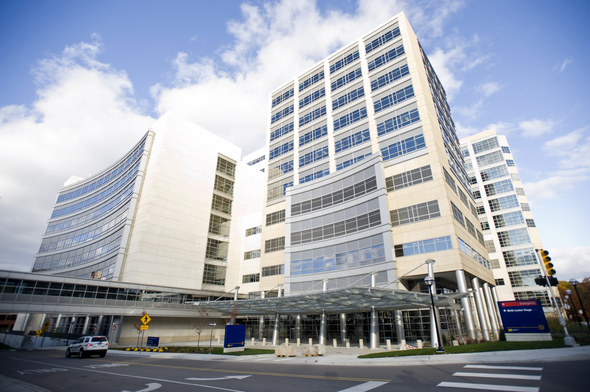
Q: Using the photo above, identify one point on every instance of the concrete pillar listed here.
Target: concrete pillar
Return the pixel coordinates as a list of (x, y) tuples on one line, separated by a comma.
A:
[(275, 331), (323, 329), (343, 336), (261, 322), (480, 309), (117, 333), (43, 318), (466, 304), (85, 327), (57, 321), (298, 327), (495, 296), (458, 321), (374, 338), (491, 310), (99, 324), (399, 326), (374, 329), (433, 325)]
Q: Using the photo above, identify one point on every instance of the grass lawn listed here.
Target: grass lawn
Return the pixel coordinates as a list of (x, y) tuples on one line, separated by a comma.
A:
[(472, 348)]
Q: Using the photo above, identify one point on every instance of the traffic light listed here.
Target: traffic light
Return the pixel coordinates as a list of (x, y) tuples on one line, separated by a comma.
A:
[(547, 261), (541, 281)]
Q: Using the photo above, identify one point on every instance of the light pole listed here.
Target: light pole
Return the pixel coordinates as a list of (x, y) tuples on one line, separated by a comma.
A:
[(429, 280), (574, 283), (568, 294)]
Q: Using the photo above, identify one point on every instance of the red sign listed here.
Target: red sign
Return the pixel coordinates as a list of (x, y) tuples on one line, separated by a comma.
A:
[(507, 304), (114, 327)]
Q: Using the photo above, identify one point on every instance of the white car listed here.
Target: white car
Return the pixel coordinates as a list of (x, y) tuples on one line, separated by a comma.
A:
[(88, 345)]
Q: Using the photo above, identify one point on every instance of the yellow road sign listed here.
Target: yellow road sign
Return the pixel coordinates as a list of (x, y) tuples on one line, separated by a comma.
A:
[(46, 324), (144, 326), (145, 319)]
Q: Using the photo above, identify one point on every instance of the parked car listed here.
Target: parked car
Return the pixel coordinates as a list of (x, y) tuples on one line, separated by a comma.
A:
[(88, 345)]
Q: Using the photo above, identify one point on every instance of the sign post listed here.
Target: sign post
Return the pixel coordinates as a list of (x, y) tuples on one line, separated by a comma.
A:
[(524, 320), (211, 338), (145, 320)]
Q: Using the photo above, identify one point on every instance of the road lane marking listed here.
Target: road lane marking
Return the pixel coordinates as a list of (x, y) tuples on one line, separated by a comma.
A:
[(253, 373), (133, 376), (494, 375), (219, 378), (364, 387), (151, 387), (107, 365), (503, 367), (489, 387)]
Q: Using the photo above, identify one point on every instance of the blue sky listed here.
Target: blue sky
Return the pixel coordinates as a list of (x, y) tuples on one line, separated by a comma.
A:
[(80, 82)]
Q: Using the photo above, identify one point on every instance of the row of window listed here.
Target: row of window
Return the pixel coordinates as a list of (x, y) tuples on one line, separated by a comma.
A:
[(312, 116), (273, 270), (94, 214), (253, 231), (394, 98), (81, 236), (221, 204), (223, 185), (424, 246), (350, 118), (219, 225), (508, 219), (518, 257), (343, 62), (214, 274), (409, 178), (514, 237), (465, 248), (350, 162), (348, 98), (275, 217), (331, 199), (278, 189), (352, 140), (313, 156), (274, 245), (337, 229), (311, 80), (89, 201), (79, 256), (253, 254), (351, 254), (403, 147), (313, 135), (216, 250), (280, 150), (490, 159), (386, 57), (390, 77), (344, 80), (255, 161), (314, 96), (251, 278), (103, 179), (415, 213), (226, 167), (285, 129), (281, 114), (485, 145), (503, 203), (314, 176), (382, 40), (402, 120), (283, 97), (523, 278), (494, 172), (283, 167), (498, 187)]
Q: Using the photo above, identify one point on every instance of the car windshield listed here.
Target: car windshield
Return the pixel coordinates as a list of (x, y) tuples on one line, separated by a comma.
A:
[(99, 339)]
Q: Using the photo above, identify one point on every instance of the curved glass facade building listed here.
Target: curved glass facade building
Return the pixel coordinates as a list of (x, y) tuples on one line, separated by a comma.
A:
[(90, 223)]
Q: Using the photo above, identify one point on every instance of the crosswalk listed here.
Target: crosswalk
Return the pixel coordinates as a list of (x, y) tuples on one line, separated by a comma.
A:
[(496, 378)]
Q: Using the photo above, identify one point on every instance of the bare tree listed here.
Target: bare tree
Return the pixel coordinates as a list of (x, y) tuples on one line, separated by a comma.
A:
[(201, 323)]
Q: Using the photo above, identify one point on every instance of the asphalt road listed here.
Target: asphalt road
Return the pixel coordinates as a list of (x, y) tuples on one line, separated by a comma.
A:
[(51, 370)]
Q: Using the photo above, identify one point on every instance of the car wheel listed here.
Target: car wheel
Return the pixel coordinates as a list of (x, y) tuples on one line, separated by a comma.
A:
[(68, 354), (81, 354), (102, 355)]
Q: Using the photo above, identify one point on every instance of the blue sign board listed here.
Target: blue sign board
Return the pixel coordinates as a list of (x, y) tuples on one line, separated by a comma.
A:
[(523, 316), (235, 336), (153, 341)]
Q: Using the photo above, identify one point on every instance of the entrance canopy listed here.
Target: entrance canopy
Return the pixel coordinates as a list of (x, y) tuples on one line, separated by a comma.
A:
[(349, 300)]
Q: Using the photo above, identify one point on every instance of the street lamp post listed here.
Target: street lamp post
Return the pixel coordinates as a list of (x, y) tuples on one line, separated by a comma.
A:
[(568, 294), (574, 283), (429, 280)]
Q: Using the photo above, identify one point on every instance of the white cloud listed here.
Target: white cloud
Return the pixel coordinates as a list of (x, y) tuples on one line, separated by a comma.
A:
[(229, 94), (571, 263), (502, 128), (551, 187), (489, 88), (84, 119), (561, 66), (573, 149), (534, 128)]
